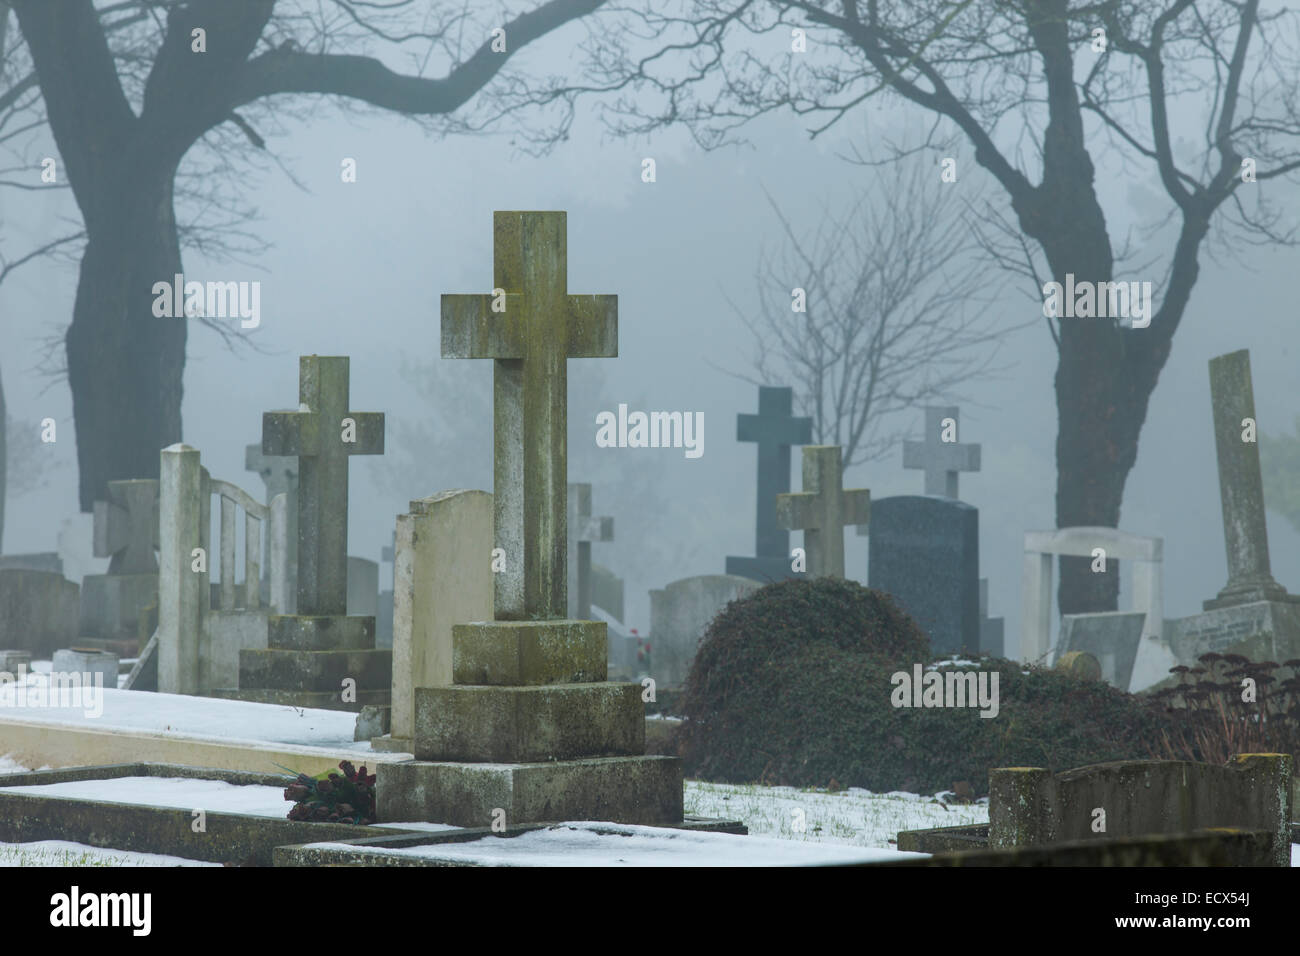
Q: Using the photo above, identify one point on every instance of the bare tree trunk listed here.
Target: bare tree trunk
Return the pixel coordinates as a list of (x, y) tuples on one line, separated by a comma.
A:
[(125, 365)]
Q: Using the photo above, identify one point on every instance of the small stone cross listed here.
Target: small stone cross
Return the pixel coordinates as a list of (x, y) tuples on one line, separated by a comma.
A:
[(823, 509), (941, 460), (126, 526), (530, 326), (322, 435), (583, 530)]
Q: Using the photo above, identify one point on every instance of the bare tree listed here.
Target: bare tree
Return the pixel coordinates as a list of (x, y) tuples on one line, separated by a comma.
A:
[(129, 87), (892, 294), (1035, 86)]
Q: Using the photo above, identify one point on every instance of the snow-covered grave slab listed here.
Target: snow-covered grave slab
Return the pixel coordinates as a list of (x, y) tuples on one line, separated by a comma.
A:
[(600, 844), (119, 726), (210, 815)]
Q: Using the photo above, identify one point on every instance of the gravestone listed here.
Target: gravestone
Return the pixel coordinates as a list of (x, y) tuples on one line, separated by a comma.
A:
[(583, 530), (363, 587), (126, 532), (442, 575), (41, 561), (384, 616), (76, 548), (280, 475), (1112, 637), (320, 656), (530, 729), (939, 455), (1102, 545), (823, 509), (90, 662), (992, 629), (38, 611), (607, 591), (774, 430), (12, 663), (1252, 615), (680, 613), (924, 550)]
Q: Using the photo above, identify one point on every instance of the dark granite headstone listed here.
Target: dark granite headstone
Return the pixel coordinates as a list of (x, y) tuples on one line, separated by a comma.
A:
[(1110, 636), (925, 552)]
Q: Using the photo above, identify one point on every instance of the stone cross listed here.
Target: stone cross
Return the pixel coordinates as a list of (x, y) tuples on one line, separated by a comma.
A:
[(774, 429), (583, 530), (530, 326), (823, 509), (940, 460), (322, 435), (126, 526), (1241, 487)]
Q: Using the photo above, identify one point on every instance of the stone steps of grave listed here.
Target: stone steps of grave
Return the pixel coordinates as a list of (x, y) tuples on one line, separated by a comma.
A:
[(639, 790), (318, 700), (314, 670), (529, 653), (524, 724)]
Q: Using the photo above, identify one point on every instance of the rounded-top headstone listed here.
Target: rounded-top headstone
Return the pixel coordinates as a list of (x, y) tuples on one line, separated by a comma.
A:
[(1080, 664)]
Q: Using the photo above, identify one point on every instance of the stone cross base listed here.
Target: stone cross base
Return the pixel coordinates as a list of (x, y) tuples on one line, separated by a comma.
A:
[(1260, 631), (530, 726), (307, 660)]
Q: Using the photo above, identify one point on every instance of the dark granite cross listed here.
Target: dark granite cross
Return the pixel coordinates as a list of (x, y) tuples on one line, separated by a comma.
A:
[(774, 429), (322, 435), (530, 326)]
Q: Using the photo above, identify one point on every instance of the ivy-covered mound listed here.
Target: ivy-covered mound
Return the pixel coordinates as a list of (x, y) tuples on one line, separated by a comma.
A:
[(791, 685)]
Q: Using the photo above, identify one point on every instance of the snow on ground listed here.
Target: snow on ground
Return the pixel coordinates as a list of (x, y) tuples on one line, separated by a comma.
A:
[(578, 844), (207, 718), (853, 817), (62, 853), (185, 793)]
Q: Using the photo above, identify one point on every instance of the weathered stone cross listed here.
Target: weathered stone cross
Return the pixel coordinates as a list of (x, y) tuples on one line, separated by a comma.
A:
[(940, 460), (583, 530), (322, 435), (1241, 486), (126, 526), (823, 509), (775, 430), (530, 326)]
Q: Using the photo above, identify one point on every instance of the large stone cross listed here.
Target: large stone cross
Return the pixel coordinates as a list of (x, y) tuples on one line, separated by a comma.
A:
[(1241, 486), (941, 460), (530, 326), (126, 526), (583, 530), (322, 435), (774, 429), (823, 509)]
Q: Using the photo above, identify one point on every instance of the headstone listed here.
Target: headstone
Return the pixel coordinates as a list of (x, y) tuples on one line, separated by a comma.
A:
[(76, 547), (320, 656), (280, 475), (774, 430), (607, 591), (363, 587), (1147, 555), (443, 576), (89, 663), (924, 550), (14, 662), (583, 530), (939, 455), (823, 509), (992, 629), (680, 613), (43, 561), (126, 531), (1112, 637), (38, 611), (530, 729)]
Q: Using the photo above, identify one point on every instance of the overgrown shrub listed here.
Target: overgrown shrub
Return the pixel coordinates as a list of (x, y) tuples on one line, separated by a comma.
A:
[(791, 685)]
